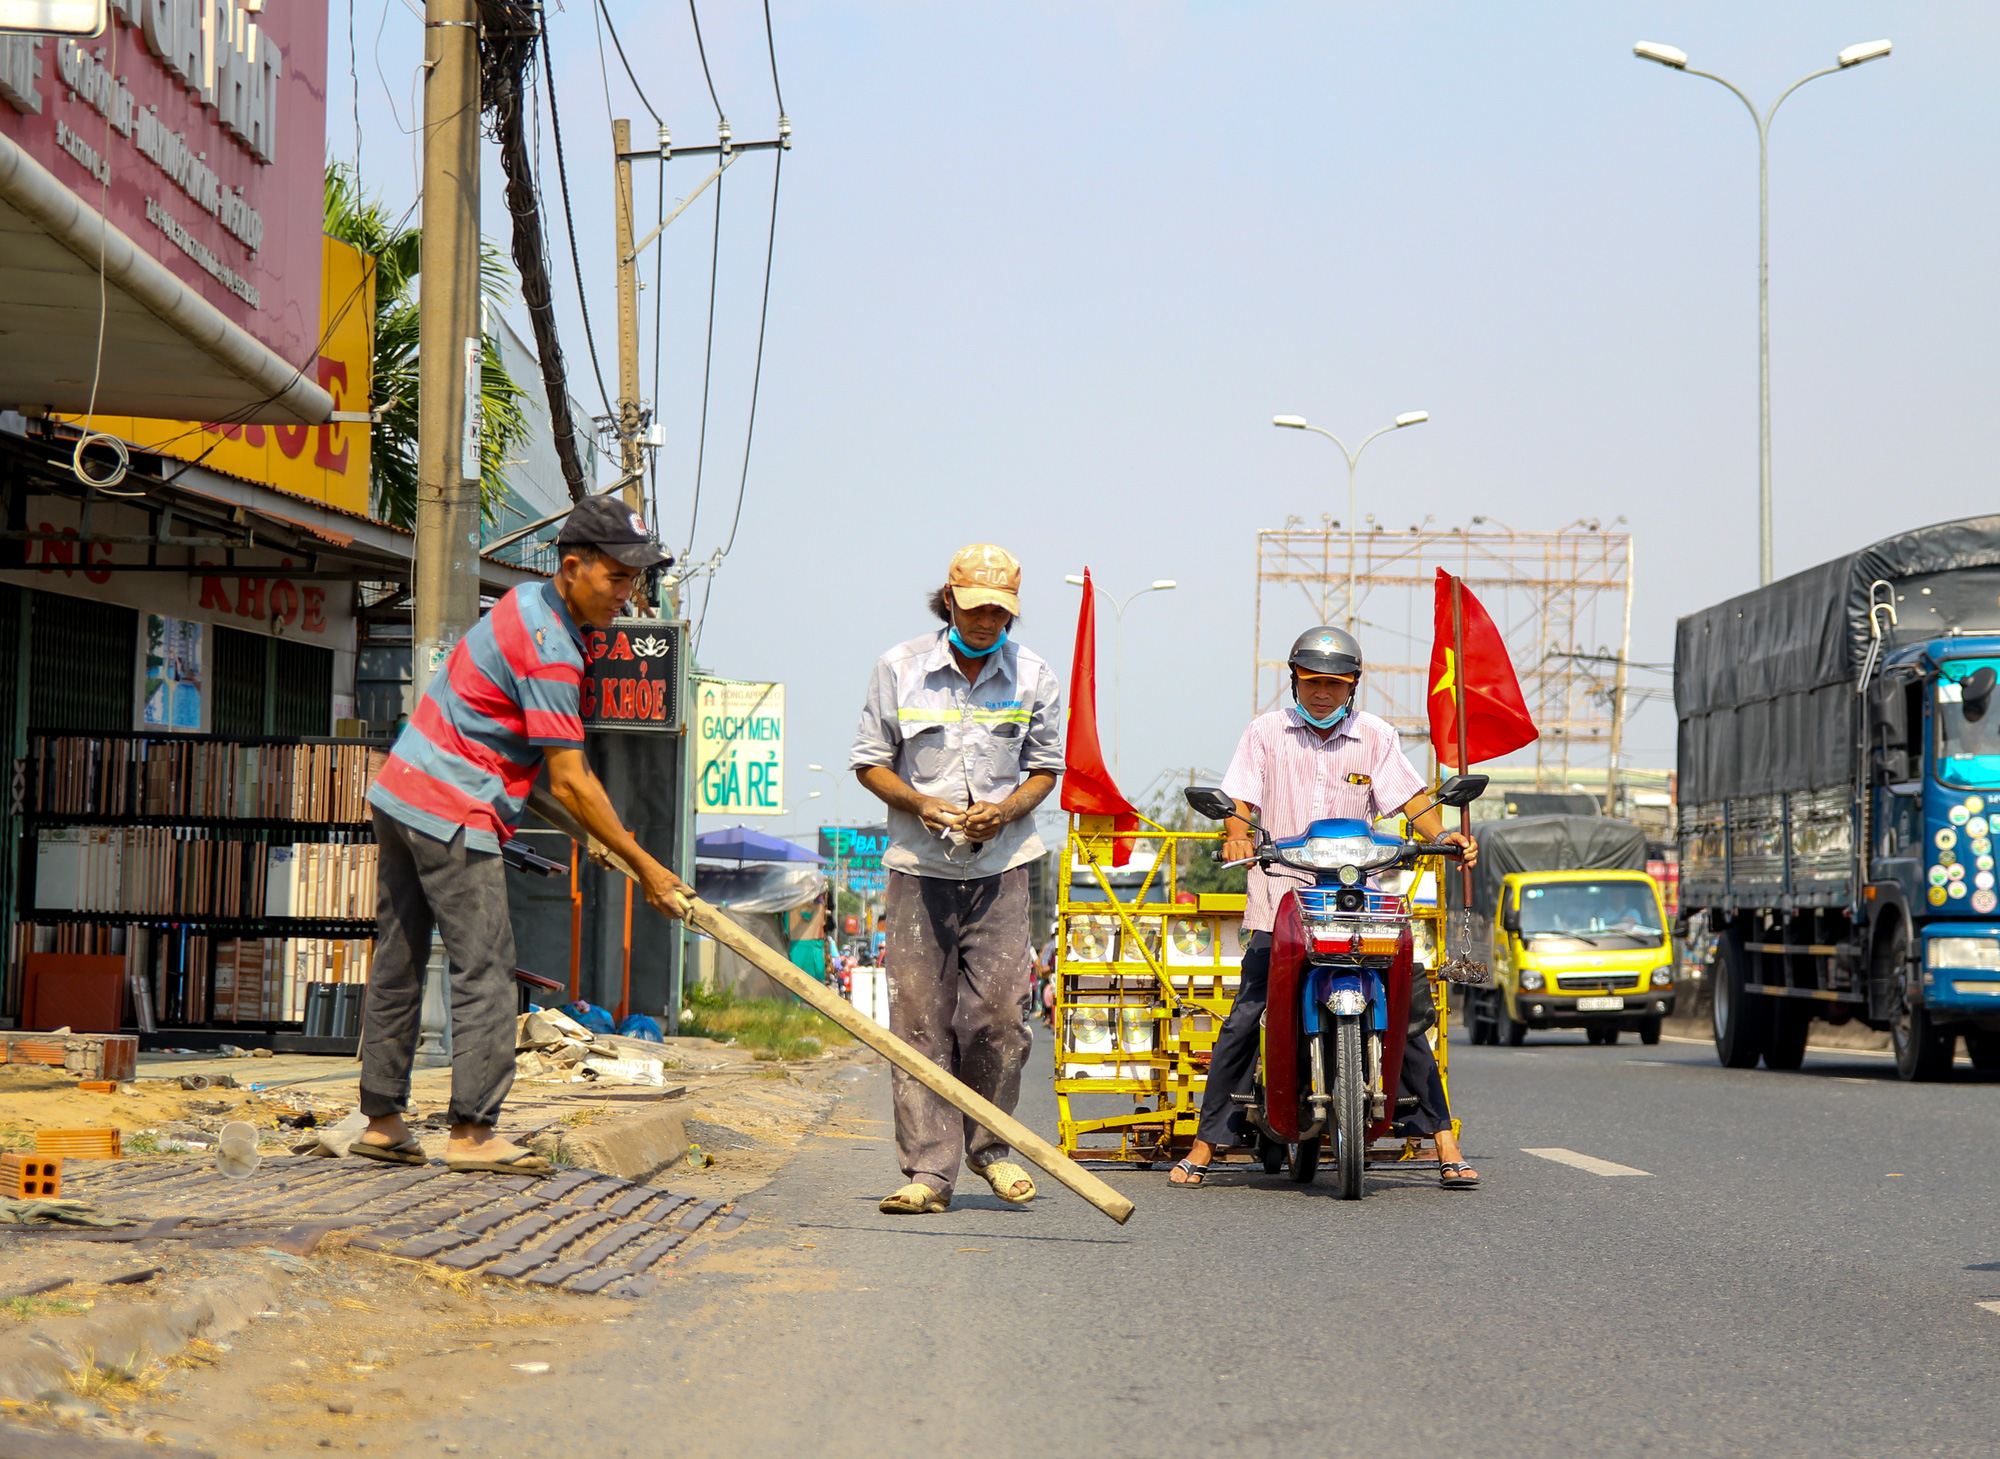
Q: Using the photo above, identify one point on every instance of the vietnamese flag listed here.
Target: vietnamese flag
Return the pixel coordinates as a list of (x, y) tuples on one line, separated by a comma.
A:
[(1087, 788), (1470, 667)]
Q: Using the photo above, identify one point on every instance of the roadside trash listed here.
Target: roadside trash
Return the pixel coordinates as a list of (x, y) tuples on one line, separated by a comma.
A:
[(699, 1158), (238, 1130), (626, 1071), (639, 1026), (232, 1051), (97, 1086), (304, 1121), (194, 1081), (531, 1367), (339, 1139), (67, 1212), (596, 1019), (238, 1158)]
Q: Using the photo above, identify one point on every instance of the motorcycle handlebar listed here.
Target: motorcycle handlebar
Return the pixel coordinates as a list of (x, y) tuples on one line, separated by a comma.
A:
[(1439, 848)]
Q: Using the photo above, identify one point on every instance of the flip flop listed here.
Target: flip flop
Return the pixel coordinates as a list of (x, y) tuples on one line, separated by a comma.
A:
[(1003, 1176), (1456, 1175), (1197, 1175), (407, 1153), (914, 1199), (520, 1162)]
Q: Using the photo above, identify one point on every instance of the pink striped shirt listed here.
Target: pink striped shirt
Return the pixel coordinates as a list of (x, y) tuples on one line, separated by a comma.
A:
[(1293, 778)]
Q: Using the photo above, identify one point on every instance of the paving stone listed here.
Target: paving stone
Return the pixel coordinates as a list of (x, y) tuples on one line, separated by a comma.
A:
[(597, 1251), (698, 1215), (551, 1247)]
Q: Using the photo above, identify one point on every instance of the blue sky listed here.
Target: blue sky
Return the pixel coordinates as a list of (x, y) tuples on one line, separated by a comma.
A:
[(1044, 273)]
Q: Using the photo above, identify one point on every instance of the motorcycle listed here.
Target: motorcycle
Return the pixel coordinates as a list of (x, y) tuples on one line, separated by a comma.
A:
[(1338, 1010)]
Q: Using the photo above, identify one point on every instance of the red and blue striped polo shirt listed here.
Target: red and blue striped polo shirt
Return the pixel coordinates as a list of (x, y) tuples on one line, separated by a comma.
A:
[(512, 688)]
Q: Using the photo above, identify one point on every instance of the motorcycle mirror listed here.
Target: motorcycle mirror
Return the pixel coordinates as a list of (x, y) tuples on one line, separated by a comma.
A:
[(1978, 692), (1206, 800), (1462, 790)]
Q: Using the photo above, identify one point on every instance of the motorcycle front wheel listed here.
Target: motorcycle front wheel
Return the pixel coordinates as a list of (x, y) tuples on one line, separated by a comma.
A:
[(1350, 1107)]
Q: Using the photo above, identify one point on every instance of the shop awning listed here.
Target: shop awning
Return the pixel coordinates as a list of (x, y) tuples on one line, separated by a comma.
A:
[(168, 353)]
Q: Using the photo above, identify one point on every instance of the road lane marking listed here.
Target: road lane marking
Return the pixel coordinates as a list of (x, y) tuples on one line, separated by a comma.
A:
[(1989, 1306), (1584, 1162)]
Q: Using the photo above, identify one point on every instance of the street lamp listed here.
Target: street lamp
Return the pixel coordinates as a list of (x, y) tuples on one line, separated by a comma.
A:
[(1298, 423), (839, 844), (1675, 59), (1158, 585)]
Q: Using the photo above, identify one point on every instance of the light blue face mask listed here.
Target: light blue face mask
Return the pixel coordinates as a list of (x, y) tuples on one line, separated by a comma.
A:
[(976, 653), (1330, 721)]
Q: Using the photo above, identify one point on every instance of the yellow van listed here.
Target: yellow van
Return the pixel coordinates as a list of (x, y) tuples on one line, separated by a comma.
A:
[(1576, 949)]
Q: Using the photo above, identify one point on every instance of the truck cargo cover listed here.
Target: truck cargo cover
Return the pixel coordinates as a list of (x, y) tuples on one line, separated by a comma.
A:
[(1764, 683), (1552, 843)]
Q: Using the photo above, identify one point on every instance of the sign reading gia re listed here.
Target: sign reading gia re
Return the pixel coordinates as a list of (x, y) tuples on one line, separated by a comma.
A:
[(739, 748)]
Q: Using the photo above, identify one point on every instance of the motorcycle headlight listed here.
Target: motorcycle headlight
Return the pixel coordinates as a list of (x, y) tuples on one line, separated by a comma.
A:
[(1531, 981), (1328, 852)]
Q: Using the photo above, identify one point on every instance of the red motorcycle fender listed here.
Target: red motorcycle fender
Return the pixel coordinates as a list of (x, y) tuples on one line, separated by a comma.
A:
[(1284, 1054), (1396, 984)]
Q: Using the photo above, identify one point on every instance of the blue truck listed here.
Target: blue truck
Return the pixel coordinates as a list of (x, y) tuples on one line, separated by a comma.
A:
[(1839, 792)]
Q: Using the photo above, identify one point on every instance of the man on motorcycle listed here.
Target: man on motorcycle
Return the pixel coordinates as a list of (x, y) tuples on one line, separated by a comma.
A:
[(1318, 759)]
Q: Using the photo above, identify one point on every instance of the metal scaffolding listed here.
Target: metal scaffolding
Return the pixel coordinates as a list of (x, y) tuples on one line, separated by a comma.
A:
[(1562, 601)]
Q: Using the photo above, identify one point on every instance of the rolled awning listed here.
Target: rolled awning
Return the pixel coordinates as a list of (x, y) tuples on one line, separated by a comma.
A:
[(168, 353)]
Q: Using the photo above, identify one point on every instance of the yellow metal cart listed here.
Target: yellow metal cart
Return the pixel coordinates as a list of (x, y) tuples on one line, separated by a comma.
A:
[(1143, 983)]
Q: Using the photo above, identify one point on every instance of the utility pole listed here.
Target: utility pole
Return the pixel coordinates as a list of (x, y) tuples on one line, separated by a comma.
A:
[(630, 453), (446, 599), (445, 603)]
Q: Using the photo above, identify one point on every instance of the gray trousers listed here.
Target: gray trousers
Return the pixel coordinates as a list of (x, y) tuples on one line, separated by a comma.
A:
[(957, 957), (423, 883)]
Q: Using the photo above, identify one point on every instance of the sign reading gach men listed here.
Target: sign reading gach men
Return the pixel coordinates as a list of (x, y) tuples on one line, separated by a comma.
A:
[(634, 681), (739, 748)]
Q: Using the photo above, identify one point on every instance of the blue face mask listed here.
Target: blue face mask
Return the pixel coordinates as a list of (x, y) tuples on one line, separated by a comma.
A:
[(1330, 721), (976, 653)]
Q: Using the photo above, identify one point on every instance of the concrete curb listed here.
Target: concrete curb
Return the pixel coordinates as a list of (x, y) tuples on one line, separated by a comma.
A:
[(36, 1359), (636, 1147)]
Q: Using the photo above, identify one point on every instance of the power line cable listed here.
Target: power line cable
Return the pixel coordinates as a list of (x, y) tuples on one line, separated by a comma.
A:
[(707, 361), (620, 48), (569, 218), (702, 51), (771, 45)]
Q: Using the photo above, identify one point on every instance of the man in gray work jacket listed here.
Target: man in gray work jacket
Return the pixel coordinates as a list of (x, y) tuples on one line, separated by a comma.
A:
[(961, 738)]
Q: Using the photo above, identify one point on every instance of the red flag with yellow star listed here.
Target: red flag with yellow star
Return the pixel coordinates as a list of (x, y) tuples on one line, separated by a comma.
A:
[(1472, 675)]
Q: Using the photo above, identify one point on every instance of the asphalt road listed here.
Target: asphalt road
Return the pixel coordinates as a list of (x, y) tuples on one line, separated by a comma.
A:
[(1799, 1270)]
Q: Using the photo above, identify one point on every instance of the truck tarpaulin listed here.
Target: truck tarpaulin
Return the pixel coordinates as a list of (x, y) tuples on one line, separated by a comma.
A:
[(1552, 843), (1764, 683)]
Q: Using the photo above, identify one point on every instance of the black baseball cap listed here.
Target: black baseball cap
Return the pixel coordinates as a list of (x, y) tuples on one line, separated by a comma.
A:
[(606, 522)]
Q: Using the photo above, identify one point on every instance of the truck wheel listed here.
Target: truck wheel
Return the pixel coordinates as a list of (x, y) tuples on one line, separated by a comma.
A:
[(1610, 1035), (1923, 1050), (1506, 1029), (1785, 1044), (1649, 1031), (1741, 1017), (1984, 1048)]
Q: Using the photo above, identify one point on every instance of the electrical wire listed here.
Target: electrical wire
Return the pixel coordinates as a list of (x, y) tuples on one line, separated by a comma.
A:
[(707, 361), (569, 219), (620, 48), (659, 296), (354, 80), (702, 51), (771, 45)]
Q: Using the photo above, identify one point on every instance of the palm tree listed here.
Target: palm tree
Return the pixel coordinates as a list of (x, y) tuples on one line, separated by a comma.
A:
[(364, 224)]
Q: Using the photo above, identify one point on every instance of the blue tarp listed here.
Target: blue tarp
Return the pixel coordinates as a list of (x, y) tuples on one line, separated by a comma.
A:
[(740, 843)]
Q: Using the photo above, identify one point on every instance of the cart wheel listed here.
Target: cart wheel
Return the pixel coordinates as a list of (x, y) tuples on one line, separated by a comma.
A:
[(1305, 1161), (1272, 1154)]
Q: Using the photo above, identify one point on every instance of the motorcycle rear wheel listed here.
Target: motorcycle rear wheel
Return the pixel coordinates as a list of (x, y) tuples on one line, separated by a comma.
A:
[(1350, 1107)]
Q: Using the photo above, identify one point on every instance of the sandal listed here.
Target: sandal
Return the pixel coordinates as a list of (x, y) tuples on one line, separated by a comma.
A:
[(407, 1153), (515, 1162), (1456, 1175), (1003, 1176), (1197, 1175), (914, 1199)]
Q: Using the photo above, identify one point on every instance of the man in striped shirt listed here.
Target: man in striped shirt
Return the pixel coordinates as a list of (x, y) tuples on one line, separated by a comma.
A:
[(508, 699), (1318, 759)]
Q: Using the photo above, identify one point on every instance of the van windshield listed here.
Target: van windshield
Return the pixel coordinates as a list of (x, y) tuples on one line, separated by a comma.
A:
[(1599, 914), (1968, 738)]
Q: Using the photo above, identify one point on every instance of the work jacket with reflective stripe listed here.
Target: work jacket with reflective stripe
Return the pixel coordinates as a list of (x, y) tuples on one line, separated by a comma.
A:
[(966, 743)]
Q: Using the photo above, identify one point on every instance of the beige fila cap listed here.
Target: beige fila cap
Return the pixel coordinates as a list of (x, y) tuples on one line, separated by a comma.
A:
[(982, 574)]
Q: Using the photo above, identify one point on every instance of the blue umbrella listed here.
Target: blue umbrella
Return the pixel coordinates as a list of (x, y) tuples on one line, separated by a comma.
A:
[(740, 843)]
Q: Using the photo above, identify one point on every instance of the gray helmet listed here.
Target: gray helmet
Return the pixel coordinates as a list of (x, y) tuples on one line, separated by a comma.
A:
[(1327, 650)]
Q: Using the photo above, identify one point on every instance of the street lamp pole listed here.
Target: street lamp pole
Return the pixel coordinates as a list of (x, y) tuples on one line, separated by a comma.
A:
[(1675, 59), (1298, 423), (839, 846), (1159, 585)]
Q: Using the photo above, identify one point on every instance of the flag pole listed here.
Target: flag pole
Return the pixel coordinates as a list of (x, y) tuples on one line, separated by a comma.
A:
[(1458, 695)]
